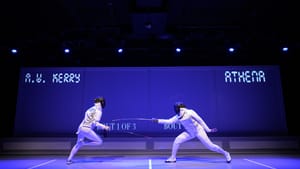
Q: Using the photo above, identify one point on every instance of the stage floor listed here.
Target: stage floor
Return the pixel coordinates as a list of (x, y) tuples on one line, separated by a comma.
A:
[(207, 161)]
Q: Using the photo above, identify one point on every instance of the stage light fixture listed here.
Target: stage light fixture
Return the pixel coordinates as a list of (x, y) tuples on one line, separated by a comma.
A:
[(231, 49), (67, 50), (285, 49), (14, 51), (120, 50)]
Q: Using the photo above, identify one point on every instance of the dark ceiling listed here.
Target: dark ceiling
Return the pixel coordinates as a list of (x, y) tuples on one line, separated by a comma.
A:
[(148, 30)]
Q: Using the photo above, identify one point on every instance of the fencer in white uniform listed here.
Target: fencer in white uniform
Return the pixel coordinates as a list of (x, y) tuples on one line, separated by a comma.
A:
[(85, 133), (194, 127)]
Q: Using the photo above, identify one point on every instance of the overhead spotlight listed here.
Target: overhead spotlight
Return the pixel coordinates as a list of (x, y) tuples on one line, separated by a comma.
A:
[(120, 50), (67, 50), (285, 49), (14, 51), (178, 50), (231, 50)]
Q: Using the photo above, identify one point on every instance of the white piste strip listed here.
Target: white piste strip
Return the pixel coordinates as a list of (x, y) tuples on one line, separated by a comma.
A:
[(45, 163), (150, 163), (261, 164)]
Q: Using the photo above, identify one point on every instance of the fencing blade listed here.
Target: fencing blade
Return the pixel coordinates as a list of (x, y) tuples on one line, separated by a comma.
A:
[(128, 119)]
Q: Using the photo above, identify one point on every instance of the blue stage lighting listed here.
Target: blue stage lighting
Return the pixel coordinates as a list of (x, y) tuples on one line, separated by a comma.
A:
[(14, 51), (120, 50), (231, 49), (67, 50), (178, 50), (285, 49)]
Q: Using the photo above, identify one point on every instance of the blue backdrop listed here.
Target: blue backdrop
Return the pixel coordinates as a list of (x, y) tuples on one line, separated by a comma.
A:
[(240, 100)]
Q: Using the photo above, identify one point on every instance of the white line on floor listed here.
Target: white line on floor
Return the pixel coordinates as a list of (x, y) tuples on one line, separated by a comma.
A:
[(150, 164), (259, 164), (51, 161)]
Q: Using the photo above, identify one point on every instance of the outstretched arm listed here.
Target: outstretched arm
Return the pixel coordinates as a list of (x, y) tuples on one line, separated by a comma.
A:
[(166, 121)]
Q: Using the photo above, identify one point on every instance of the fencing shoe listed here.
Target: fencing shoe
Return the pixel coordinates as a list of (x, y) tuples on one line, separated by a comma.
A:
[(228, 157), (69, 162), (171, 160)]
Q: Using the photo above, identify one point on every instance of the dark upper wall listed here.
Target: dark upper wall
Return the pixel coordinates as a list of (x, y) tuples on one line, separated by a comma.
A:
[(93, 29)]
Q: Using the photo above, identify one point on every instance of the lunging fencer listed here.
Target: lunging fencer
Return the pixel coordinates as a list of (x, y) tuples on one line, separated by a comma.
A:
[(194, 127), (85, 133)]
